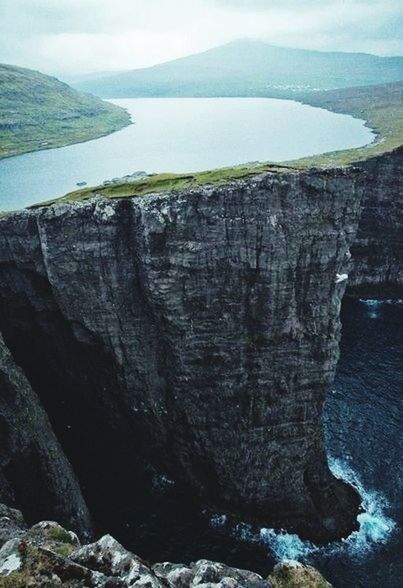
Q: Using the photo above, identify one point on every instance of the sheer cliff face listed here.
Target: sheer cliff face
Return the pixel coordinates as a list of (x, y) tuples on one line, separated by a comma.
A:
[(378, 250), (34, 473), (198, 330)]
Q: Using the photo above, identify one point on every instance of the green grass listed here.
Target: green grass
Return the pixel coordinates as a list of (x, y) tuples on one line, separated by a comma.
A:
[(380, 106), (60, 534), (167, 183), (40, 112)]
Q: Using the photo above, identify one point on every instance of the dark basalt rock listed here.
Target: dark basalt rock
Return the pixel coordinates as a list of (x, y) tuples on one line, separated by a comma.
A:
[(378, 248), (34, 472), (198, 331)]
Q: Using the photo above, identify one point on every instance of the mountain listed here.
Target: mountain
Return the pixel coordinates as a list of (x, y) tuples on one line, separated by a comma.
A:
[(38, 112), (249, 68)]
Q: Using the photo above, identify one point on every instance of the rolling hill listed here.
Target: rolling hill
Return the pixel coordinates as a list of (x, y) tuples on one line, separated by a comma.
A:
[(39, 112), (248, 68)]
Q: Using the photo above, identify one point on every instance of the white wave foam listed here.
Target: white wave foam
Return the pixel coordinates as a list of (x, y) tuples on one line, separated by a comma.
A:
[(371, 302), (218, 520), (286, 545), (374, 527), (161, 482), (373, 306)]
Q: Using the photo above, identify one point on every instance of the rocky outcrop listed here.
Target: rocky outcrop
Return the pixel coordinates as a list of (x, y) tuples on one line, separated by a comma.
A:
[(199, 330), (34, 472), (378, 248), (292, 574), (49, 555)]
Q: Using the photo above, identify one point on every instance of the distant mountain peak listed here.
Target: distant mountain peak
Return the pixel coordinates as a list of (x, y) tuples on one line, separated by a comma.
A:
[(249, 67)]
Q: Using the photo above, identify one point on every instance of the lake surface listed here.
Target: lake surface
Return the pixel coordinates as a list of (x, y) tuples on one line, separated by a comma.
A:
[(181, 135)]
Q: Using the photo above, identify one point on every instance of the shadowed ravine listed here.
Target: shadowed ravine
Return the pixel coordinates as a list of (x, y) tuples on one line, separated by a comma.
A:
[(198, 332)]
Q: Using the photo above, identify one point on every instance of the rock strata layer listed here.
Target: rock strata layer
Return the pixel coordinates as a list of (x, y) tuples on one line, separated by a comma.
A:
[(378, 248), (198, 331)]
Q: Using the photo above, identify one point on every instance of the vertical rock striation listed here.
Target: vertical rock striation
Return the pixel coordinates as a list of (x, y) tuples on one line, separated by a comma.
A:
[(378, 249), (199, 330)]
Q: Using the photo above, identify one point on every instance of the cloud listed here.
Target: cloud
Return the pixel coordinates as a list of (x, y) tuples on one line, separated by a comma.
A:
[(76, 36)]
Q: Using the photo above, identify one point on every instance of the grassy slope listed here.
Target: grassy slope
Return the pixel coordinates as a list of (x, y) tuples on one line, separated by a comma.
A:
[(381, 106), (40, 112)]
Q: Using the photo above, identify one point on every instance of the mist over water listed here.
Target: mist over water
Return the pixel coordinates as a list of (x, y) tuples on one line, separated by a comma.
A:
[(181, 135)]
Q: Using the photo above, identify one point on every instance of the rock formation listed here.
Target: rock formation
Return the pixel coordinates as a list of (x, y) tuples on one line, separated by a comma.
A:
[(198, 331), (378, 249), (49, 555), (34, 472)]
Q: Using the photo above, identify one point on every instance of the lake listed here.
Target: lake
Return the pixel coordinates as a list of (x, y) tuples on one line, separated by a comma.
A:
[(181, 135)]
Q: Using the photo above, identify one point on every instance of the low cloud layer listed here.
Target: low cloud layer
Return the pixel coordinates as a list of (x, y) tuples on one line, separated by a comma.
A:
[(78, 36)]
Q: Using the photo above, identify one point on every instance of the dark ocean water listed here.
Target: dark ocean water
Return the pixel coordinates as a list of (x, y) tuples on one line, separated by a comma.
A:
[(363, 420)]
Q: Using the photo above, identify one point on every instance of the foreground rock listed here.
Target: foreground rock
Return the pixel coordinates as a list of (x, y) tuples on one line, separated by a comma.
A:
[(46, 555), (292, 574)]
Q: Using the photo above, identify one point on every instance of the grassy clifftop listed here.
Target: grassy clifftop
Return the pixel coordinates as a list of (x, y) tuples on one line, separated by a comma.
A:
[(40, 112), (381, 106)]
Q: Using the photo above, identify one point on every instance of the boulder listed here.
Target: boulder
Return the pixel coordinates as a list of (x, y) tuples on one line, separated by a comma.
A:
[(292, 574)]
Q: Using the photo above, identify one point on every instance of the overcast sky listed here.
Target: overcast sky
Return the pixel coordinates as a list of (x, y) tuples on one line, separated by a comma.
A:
[(65, 37)]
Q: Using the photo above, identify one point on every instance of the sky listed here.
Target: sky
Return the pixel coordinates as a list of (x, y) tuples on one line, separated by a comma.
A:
[(69, 37)]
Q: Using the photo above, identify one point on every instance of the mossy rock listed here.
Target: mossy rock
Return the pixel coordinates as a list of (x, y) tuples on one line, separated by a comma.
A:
[(292, 574), (46, 569)]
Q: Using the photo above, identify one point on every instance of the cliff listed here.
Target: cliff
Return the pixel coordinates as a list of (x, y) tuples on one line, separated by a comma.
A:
[(34, 472), (378, 248), (197, 330)]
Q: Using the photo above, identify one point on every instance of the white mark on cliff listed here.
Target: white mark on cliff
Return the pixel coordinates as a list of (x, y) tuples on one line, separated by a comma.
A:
[(105, 211), (273, 220), (341, 278)]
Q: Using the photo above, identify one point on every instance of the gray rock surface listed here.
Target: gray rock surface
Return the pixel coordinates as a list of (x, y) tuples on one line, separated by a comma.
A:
[(47, 555), (378, 248), (207, 573), (292, 574), (12, 524)]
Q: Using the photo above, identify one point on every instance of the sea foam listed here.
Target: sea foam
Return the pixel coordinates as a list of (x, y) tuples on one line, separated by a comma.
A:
[(375, 527)]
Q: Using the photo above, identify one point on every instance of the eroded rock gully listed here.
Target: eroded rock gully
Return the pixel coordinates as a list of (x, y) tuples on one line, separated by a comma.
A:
[(198, 331)]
